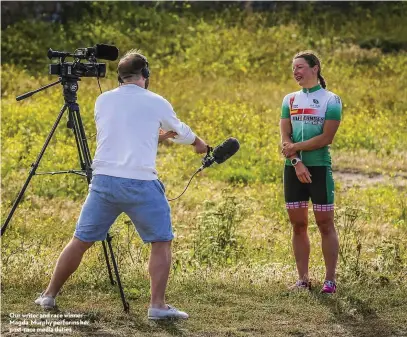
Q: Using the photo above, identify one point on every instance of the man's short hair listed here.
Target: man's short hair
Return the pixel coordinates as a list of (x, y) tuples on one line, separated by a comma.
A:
[(131, 64)]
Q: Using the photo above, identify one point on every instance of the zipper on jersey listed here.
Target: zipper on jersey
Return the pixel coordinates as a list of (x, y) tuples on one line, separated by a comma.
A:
[(302, 122)]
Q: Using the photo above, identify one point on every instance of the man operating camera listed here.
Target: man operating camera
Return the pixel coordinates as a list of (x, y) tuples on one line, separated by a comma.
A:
[(129, 123)]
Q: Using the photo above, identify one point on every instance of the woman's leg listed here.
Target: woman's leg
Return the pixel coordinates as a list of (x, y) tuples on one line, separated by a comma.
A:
[(330, 242), (300, 241)]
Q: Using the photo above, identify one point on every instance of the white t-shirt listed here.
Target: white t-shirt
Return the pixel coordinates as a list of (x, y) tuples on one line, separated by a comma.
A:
[(128, 120)]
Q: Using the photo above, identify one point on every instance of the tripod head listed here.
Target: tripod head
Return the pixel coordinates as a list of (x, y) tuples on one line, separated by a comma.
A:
[(70, 85)]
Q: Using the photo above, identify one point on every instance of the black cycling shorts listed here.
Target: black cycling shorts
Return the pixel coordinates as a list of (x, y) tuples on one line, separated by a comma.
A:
[(320, 191)]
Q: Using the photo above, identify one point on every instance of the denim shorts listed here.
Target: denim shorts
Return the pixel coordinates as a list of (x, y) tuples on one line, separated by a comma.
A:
[(143, 201)]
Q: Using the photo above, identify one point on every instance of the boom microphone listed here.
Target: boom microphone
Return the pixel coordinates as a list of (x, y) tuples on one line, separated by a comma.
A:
[(101, 51), (218, 155), (221, 153), (225, 150)]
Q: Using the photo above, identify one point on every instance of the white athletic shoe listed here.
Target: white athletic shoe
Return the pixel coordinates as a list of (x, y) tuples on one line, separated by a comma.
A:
[(47, 302), (171, 312)]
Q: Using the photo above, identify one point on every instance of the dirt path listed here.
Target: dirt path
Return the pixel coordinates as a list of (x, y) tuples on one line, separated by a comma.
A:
[(350, 178)]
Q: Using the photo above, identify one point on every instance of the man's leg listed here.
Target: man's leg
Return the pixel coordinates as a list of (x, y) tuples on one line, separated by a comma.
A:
[(159, 269), (67, 263), (97, 215), (151, 214)]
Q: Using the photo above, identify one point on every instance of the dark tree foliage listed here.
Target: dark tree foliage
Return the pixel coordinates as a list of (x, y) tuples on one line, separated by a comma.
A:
[(63, 11)]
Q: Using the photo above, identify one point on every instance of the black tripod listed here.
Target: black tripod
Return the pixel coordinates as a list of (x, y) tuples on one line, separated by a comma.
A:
[(70, 87)]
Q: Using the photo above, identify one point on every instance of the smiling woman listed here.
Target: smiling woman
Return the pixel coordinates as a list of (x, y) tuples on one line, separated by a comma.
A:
[(305, 64), (309, 120)]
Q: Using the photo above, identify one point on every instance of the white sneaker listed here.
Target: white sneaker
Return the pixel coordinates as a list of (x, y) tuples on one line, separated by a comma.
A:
[(171, 312), (47, 302)]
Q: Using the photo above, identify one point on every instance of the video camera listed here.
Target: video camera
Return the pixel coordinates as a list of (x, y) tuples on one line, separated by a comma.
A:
[(78, 69)]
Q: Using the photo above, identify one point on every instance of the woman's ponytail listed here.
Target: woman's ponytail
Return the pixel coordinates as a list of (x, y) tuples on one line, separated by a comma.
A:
[(321, 80)]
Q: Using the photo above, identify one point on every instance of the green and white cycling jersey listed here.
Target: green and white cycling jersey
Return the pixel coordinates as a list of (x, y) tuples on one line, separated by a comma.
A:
[(308, 109)]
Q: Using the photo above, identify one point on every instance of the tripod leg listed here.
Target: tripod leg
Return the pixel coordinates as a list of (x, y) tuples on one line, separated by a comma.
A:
[(86, 162), (109, 269), (34, 167), (75, 123), (116, 270)]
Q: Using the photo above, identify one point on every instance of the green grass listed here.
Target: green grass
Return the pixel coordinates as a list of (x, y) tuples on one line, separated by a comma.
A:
[(232, 304), (225, 74)]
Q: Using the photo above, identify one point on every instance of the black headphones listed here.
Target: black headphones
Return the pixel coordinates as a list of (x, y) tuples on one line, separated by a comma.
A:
[(145, 72)]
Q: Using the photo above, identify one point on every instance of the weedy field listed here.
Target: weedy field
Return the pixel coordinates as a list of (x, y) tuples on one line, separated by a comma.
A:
[(226, 74)]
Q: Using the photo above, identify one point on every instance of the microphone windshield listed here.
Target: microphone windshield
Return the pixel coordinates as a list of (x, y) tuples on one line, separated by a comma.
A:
[(226, 150), (106, 52)]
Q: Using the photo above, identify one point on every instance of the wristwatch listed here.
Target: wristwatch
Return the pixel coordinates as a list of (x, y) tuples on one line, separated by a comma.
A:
[(295, 161)]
